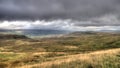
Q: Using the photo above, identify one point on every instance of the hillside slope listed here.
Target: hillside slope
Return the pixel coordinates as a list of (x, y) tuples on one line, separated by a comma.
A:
[(93, 50), (97, 59)]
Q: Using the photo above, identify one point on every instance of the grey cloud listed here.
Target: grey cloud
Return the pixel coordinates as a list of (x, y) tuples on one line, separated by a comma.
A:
[(85, 11), (75, 9)]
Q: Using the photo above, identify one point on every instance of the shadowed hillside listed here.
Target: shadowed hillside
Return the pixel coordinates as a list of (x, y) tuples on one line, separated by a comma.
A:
[(12, 36)]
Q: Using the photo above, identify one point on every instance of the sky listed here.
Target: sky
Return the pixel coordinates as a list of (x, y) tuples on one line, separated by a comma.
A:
[(60, 14)]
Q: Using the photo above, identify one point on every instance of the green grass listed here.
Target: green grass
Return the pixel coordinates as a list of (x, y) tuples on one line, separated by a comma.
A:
[(6, 57)]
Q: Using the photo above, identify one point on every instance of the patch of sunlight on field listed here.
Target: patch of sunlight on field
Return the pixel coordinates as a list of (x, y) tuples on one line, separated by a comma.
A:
[(71, 47), (10, 56)]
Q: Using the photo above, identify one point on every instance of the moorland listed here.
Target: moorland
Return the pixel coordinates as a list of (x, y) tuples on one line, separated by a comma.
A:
[(74, 50)]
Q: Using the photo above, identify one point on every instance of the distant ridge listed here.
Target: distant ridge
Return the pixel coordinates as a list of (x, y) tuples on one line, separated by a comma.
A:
[(78, 33), (12, 36), (33, 32)]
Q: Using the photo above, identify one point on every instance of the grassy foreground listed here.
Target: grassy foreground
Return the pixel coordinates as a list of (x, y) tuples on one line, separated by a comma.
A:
[(76, 50), (98, 59)]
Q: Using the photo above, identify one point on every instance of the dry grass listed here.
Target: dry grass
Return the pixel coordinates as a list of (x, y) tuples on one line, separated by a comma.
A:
[(71, 47), (93, 58)]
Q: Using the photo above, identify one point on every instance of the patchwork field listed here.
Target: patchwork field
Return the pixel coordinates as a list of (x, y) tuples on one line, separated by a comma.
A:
[(75, 50)]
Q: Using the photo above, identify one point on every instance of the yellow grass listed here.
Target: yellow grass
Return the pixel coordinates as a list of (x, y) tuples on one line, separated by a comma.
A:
[(89, 57), (71, 47)]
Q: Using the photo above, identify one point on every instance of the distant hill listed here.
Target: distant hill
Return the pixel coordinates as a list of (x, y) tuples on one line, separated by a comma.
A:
[(78, 33), (34, 32), (12, 36)]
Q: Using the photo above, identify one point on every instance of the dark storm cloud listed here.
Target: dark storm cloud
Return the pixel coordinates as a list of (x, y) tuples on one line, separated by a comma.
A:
[(50, 9)]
